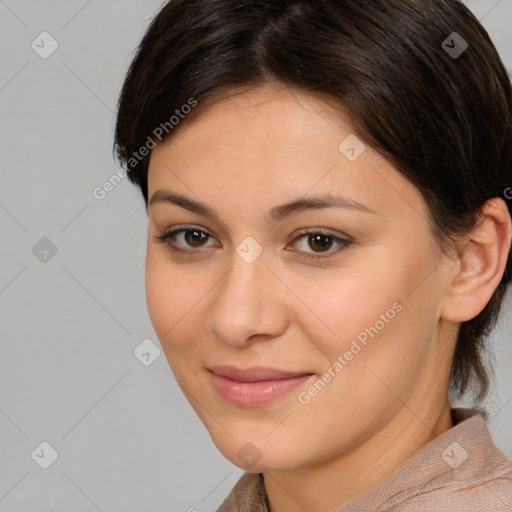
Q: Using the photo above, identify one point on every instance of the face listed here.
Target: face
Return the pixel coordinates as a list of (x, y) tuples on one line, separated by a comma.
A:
[(307, 326)]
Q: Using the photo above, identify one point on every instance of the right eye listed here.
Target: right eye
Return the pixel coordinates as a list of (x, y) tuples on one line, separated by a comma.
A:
[(191, 235)]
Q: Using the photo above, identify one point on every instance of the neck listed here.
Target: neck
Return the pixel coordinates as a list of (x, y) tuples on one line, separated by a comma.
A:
[(326, 485)]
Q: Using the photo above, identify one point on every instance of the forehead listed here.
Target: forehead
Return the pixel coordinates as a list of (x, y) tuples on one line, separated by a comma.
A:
[(286, 113), (277, 144)]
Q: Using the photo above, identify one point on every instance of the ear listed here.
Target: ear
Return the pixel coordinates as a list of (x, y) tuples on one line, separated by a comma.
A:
[(480, 263)]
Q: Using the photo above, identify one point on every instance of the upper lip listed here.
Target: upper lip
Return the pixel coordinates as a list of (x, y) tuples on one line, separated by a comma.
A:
[(254, 374)]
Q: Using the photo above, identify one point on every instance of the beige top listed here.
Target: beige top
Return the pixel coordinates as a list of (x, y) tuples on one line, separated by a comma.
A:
[(460, 470)]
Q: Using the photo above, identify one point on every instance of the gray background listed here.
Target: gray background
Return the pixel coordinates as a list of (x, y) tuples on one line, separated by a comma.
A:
[(125, 435)]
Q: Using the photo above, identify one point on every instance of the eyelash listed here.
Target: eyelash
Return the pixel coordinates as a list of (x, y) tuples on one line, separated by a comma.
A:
[(170, 236)]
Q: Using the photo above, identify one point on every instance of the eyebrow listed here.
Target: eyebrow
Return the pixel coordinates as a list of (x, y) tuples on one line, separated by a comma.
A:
[(276, 214)]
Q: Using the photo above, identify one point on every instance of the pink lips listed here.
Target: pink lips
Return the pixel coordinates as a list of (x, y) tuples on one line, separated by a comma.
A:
[(255, 386)]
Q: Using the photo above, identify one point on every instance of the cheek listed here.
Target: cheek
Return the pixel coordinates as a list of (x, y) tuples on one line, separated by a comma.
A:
[(171, 295), (352, 303), (373, 321)]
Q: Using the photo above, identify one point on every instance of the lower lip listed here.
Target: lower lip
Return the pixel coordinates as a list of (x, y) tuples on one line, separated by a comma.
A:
[(254, 394)]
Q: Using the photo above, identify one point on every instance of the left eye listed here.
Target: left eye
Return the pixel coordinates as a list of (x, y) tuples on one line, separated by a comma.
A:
[(321, 242)]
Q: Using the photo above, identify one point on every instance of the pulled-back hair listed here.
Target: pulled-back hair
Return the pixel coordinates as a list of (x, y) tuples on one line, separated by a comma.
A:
[(441, 113)]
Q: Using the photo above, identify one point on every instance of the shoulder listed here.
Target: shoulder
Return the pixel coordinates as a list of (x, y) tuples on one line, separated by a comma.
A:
[(494, 494), (460, 470), (477, 475)]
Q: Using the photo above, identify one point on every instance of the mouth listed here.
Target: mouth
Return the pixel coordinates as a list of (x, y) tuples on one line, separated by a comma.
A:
[(255, 386)]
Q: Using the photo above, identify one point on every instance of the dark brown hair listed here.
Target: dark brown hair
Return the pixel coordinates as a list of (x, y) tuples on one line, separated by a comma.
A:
[(441, 113)]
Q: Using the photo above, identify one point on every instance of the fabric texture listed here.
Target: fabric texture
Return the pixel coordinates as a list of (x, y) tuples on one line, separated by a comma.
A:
[(460, 470)]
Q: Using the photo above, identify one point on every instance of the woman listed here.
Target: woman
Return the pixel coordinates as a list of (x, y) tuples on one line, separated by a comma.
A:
[(329, 242)]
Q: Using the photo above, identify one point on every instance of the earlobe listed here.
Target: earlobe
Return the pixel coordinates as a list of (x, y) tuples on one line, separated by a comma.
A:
[(480, 264)]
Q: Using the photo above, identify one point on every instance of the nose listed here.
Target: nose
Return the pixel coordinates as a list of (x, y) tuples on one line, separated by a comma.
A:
[(249, 304)]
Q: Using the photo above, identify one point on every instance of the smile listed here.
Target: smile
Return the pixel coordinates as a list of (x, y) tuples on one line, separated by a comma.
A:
[(254, 387)]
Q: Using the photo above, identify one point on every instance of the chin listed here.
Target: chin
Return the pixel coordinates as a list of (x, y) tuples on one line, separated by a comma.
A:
[(256, 456)]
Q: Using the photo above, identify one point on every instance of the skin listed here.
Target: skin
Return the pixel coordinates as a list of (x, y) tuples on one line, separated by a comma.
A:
[(243, 155)]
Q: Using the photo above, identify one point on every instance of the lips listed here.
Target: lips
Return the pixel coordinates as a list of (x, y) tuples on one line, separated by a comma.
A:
[(255, 374), (255, 386)]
